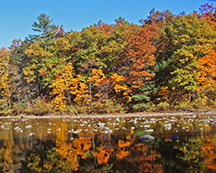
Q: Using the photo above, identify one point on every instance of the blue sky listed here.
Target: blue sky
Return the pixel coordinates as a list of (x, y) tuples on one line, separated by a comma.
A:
[(17, 16)]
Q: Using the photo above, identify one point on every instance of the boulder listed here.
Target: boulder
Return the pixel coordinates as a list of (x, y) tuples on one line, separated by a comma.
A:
[(147, 138)]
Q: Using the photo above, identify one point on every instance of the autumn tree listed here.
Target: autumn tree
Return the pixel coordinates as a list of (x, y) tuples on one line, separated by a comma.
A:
[(206, 75), (164, 49), (6, 80), (141, 59), (168, 57), (183, 40), (207, 11), (41, 57), (192, 44), (100, 47), (107, 89)]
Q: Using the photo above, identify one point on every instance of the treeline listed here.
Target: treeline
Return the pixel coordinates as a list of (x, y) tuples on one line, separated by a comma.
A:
[(167, 61)]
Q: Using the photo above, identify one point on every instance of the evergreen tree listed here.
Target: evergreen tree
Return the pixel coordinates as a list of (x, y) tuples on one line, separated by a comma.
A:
[(23, 92), (142, 99), (46, 28)]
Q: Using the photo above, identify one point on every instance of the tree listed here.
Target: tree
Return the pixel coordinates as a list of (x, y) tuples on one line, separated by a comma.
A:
[(192, 43), (61, 87), (24, 91), (46, 29), (6, 79), (207, 11), (121, 20), (182, 42), (44, 55), (206, 74), (141, 58), (164, 49)]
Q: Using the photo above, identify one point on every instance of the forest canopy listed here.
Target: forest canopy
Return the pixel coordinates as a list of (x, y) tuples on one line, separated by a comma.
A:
[(166, 62)]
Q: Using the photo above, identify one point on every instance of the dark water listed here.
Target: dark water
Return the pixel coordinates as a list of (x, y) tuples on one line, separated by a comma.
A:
[(109, 145)]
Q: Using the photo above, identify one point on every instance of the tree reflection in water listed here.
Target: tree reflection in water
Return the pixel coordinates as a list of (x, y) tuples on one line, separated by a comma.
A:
[(94, 151)]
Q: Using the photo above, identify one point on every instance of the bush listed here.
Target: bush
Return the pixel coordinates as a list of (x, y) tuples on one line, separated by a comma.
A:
[(162, 106), (18, 108), (69, 110), (107, 106), (4, 107), (39, 107)]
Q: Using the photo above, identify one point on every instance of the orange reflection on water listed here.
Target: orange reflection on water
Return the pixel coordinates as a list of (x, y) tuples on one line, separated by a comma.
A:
[(210, 151)]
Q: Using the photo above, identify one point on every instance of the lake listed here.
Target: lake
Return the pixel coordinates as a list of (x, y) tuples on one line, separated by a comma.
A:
[(185, 143)]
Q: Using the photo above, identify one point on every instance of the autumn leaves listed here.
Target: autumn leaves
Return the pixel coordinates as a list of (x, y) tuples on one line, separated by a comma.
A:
[(113, 68), (100, 65)]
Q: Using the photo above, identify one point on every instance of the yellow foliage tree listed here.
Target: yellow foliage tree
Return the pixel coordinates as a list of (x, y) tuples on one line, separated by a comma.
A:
[(80, 89), (100, 82), (106, 85), (65, 85), (6, 78), (163, 93), (118, 84), (61, 86)]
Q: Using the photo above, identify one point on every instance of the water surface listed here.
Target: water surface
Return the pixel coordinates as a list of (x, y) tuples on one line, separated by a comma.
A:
[(109, 144)]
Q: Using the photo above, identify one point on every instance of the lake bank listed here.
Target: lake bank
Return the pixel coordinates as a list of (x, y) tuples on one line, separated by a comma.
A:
[(139, 114)]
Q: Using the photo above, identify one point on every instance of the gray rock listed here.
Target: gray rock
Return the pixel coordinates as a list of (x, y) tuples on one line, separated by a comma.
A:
[(147, 138), (189, 120)]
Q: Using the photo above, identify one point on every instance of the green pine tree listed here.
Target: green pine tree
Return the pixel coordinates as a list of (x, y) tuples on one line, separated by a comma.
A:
[(46, 28)]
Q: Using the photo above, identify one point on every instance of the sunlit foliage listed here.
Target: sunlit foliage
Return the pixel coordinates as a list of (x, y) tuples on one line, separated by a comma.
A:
[(167, 60)]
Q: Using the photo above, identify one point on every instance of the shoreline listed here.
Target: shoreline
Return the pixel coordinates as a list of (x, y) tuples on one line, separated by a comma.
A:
[(139, 114)]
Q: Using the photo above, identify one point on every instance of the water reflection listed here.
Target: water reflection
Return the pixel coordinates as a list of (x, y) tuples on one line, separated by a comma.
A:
[(181, 144)]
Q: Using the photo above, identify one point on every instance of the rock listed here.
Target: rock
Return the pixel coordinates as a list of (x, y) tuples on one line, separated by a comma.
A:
[(147, 138), (107, 131), (29, 126), (100, 125), (149, 130), (135, 121), (189, 120), (31, 134), (167, 126), (77, 131), (174, 137), (147, 126), (193, 116)]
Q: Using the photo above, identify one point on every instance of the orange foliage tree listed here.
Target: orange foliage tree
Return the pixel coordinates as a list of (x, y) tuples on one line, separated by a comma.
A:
[(206, 72), (141, 59)]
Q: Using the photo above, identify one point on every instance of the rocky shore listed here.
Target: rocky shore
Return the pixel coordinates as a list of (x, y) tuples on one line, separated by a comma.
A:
[(139, 114)]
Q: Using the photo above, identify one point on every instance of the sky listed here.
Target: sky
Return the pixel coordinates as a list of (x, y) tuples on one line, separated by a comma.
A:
[(17, 16)]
